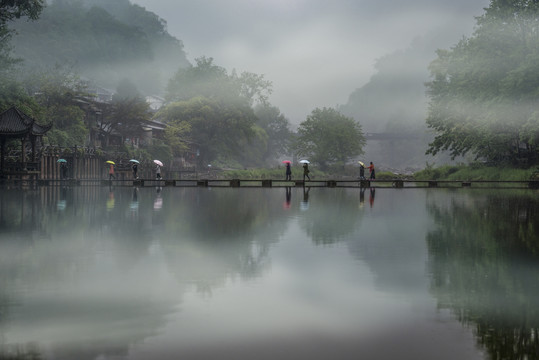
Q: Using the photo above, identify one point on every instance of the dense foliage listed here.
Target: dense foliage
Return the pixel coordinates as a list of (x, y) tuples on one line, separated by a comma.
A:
[(105, 41), (483, 93), (328, 137)]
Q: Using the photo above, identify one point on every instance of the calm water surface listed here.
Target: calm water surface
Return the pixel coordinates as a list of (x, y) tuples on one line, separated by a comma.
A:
[(195, 273)]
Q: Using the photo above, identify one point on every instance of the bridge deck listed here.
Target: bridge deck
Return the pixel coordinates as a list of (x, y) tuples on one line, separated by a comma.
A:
[(397, 183)]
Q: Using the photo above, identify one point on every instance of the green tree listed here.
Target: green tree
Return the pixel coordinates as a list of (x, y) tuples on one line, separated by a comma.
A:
[(209, 80), (328, 137), (277, 128), (10, 10), (57, 91), (217, 128), (483, 91)]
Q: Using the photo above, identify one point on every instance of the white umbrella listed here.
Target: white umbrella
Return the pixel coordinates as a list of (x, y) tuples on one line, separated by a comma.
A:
[(304, 161), (158, 162)]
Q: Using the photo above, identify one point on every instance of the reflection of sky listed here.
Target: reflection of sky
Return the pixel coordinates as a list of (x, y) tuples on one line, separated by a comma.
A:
[(149, 282)]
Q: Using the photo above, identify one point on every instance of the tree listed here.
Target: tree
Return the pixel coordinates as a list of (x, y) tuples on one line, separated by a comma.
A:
[(483, 91), (10, 10), (57, 92), (217, 128), (327, 137), (277, 128), (209, 80)]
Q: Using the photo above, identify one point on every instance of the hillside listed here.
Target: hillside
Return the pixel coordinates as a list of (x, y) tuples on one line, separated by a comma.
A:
[(105, 41)]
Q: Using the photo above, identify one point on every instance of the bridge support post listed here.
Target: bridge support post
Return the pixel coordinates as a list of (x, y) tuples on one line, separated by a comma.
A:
[(534, 184), (331, 183), (169, 182), (299, 183), (466, 184), (433, 184), (398, 184), (266, 183), (235, 183), (203, 183)]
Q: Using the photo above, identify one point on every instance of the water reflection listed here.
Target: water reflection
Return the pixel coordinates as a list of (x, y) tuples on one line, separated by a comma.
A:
[(484, 262), (132, 272)]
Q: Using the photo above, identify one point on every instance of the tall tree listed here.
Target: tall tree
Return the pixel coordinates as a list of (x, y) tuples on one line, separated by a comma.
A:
[(10, 10), (217, 128), (329, 138), (483, 91), (277, 128)]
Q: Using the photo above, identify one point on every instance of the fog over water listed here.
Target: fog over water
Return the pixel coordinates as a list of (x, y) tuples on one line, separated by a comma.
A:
[(315, 52)]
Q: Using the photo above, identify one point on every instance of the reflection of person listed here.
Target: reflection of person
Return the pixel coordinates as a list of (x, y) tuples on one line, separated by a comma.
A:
[(361, 196), (306, 171), (111, 172), (361, 171), (371, 169), (371, 197), (158, 172), (306, 194), (135, 170), (288, 197), (288, 172)]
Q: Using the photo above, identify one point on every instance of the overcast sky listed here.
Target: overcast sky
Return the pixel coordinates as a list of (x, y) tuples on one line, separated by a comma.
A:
[(315, 52)]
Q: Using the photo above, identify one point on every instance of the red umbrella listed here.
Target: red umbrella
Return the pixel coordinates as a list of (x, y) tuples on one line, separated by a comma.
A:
[(287, 161)]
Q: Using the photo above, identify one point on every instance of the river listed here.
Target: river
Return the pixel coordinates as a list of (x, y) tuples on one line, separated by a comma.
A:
[(268, 273)]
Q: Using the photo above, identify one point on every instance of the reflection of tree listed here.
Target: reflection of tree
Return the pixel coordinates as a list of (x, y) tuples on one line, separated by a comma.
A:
[(484, 261), (77, 248), (335, 216), (208, 240)]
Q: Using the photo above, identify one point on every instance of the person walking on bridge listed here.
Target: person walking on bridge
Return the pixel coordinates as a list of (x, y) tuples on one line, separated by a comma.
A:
[(371, 170)]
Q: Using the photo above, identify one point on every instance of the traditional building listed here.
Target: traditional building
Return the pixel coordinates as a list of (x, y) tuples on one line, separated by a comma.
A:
[(14, 124)]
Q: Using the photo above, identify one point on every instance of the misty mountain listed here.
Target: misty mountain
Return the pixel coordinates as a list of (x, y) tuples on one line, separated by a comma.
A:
[(105, 41), (394, 103)]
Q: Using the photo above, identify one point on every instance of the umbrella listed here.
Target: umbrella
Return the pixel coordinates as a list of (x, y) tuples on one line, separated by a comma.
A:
[(304, 161), (61, 160), (287, 161), (135, 161), (110, 162), (158, 162), (361, 163)]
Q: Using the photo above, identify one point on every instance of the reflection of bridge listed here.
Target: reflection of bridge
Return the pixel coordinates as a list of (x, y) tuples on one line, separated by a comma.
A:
[(392, 136)]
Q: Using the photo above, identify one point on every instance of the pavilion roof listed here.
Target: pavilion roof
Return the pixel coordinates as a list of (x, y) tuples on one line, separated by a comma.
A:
[(15, 123)]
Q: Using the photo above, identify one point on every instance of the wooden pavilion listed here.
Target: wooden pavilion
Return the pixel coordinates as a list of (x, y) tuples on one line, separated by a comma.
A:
[(14, 124)]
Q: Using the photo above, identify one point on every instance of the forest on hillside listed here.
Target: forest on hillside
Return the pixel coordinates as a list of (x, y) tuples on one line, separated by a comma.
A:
[(105, 41)]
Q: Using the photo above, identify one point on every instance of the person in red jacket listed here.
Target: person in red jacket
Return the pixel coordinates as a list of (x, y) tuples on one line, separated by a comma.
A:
[(371, 169)]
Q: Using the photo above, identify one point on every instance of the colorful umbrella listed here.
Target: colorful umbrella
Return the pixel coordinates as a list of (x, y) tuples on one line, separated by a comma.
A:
[(135, 161), (61, 160), (287, 162), (304, 161), (158, 162), (110, 162)]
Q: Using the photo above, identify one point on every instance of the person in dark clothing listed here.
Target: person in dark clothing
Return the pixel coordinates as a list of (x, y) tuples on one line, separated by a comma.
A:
[(288, 172), (361, 171), (135, 170), (306, 171)]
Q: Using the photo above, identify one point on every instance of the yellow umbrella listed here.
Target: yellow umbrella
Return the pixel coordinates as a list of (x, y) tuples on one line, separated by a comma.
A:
[(110, 162), (361, 163)]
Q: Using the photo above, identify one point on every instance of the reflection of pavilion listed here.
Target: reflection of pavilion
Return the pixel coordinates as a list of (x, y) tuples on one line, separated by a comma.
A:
[(14, 124)]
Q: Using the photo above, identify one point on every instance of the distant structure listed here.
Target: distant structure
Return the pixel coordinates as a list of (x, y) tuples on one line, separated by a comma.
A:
[(14, 124)]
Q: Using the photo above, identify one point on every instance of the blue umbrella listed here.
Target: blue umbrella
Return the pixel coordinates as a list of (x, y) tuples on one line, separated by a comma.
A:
[(61, 160), (135, 161)]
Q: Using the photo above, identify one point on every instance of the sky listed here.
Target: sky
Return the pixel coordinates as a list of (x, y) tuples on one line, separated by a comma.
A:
[(315, 52)]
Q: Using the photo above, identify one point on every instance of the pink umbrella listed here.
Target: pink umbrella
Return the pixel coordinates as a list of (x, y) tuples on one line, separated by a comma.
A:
[(287, 161), (158, 162)]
